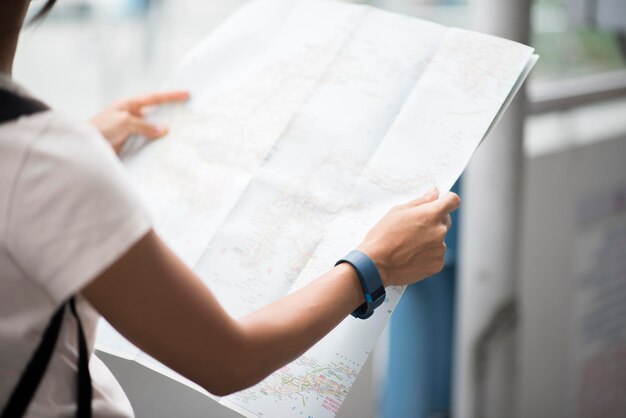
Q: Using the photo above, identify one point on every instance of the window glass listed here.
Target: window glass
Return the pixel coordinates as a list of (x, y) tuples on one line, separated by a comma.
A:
[(578, 37)]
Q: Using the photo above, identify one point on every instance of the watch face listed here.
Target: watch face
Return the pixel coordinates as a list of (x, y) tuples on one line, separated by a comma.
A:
[(379, 294)]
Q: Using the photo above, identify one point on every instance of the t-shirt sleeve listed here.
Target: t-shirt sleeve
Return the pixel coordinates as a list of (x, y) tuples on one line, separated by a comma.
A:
[(73, 211)]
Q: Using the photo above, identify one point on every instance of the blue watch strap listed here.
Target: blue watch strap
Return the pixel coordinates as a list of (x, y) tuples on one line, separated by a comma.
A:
[(371, 282)]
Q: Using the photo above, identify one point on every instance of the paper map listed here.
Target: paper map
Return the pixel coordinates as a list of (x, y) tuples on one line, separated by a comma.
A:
[(308, 121)]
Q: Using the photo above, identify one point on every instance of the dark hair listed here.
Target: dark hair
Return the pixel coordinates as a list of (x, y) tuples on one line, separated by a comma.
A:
[(43, 11)]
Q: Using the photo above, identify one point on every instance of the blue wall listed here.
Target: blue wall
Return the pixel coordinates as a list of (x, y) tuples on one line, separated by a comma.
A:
[(419, 371)]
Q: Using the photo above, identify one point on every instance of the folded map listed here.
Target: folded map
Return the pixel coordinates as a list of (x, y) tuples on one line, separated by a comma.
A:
[(308, 121)]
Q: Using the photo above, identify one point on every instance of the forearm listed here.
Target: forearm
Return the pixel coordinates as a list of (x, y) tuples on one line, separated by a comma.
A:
[(163, 308), (283, 330)]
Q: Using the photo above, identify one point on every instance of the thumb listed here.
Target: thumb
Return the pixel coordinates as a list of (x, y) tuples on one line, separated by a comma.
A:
[(429, 196), (446, 203)]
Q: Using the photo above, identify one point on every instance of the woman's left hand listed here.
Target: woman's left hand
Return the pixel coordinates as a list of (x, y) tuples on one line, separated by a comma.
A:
[(126, 117)]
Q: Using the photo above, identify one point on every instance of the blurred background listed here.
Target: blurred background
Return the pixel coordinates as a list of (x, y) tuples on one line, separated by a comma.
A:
[(528, 318)]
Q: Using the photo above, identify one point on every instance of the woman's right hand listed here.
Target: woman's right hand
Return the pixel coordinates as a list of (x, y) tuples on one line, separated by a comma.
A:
[(407, 244), (124, 118)]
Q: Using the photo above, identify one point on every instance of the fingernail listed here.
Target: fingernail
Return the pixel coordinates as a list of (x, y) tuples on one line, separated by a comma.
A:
[(161, 130)]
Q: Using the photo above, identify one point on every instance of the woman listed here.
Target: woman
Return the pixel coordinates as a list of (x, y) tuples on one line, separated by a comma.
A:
[(73, 232)]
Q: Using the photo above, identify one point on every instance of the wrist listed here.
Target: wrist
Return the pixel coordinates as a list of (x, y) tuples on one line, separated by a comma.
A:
[(370, 281), (378, 261), (354, 289)]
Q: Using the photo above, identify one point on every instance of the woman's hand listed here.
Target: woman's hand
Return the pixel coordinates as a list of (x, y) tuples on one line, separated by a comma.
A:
[(126, 117), (407, 244)]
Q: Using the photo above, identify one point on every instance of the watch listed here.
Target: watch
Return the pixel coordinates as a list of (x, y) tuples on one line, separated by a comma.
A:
[(371, 282)]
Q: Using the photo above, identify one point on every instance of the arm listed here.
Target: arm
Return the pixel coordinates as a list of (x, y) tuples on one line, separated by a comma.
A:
[(160, 305)]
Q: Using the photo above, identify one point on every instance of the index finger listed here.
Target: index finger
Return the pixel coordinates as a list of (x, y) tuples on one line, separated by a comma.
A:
[(158, 98)]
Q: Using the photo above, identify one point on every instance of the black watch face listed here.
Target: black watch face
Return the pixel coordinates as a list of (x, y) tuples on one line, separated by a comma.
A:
[(378, 293)]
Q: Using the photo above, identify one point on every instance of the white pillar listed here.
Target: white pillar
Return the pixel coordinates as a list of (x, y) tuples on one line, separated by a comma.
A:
[(489, 234)]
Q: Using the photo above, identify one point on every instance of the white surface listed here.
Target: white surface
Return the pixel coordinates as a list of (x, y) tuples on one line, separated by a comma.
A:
[(308, 121), (154, 396), (560, 249)]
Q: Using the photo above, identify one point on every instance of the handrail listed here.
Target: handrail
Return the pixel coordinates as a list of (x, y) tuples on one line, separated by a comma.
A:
[(555, 95)]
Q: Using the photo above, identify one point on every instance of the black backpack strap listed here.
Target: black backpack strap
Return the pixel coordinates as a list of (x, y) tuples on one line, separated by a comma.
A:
[(84, 377), (28, 383), (12, 106), (32, 376)]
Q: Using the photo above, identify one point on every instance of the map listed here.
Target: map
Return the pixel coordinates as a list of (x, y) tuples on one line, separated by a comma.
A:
[(306, 381), (308, 121)]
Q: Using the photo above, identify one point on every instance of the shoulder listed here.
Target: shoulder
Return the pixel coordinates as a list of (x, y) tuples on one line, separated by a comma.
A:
[(74, 144), (68, 157), (50, 140), (60, 158), (72, 209)]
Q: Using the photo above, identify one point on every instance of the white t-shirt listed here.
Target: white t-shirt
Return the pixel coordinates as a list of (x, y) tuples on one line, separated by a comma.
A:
[(66, 213)]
